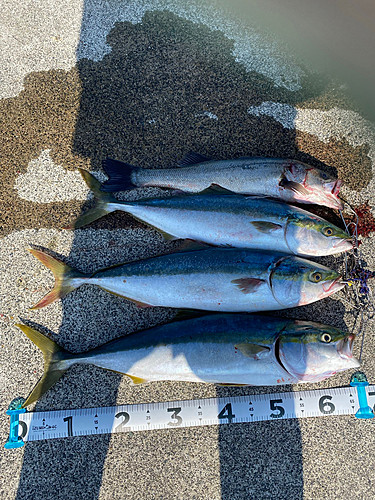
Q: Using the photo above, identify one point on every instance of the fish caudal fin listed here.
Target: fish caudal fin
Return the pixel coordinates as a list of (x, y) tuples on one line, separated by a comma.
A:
[(101, 207), (119, 174), (63, 276), (54, 366)]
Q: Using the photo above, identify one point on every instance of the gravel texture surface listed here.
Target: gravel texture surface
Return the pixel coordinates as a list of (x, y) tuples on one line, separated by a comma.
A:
[(146, 82)]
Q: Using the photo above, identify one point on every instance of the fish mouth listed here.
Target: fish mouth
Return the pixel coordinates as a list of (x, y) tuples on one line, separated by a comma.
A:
[(333, 286), (343, 245), (336, 187), (333, 201), (345, 347)]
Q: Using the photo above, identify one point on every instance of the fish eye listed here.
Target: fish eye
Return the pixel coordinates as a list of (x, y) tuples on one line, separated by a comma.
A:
[(326, 337), (323, 175), (328, 231), (316, 277)]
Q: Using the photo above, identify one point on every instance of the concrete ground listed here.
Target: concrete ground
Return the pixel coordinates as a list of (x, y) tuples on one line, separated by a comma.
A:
[(146, 82)]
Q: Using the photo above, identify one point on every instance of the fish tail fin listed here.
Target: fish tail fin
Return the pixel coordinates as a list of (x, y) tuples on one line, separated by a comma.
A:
[(100, 209), (120, 176), (54, 366), (63, 276)]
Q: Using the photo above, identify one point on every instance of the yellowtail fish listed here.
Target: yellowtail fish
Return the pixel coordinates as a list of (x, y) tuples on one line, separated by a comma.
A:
[(232, 349), (228, 280), (290, 180), (227, 220)]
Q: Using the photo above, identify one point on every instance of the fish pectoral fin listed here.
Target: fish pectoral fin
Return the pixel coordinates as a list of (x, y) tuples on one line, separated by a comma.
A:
[(192, 158), (265, 227), (294, 186), (216, 189), (248, 285), (251, 350), (137, 380)]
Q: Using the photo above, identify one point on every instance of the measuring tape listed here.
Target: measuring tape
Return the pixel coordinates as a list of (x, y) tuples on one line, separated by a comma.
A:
[(35, 426)]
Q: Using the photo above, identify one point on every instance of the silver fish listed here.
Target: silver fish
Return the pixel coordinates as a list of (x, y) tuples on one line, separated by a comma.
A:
[(228, 280), (290, 180), (227, 220), (225, 349)]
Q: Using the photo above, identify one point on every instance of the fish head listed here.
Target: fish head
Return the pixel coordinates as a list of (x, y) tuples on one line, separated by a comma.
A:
[(296, 282), (312, 352), (307, 234), (312, 185)]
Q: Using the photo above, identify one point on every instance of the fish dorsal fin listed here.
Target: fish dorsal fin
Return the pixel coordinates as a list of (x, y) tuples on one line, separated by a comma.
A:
[(216, 189), (192, 158), (251, 350), (248, 285), (136, 380), (265, 227)]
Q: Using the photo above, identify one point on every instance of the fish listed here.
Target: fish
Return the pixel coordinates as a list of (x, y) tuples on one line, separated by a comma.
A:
[(226, 220), (227, 349), (214, 279), (290, 180)]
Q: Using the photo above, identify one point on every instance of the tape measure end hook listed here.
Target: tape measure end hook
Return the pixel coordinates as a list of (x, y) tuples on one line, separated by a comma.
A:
[(14, 410)]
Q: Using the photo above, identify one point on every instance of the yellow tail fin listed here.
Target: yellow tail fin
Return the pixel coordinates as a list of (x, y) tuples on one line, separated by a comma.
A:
[(63, 275), (54, 366), (102, 203)]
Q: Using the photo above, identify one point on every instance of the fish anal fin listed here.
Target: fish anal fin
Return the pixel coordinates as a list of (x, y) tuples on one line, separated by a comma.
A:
[(216, 189), (167, 236), (186, 314), (232, 385), (251, 350), (265, 227), (137, 380), (248, 285), (191, 246), (141, 305), (138, 303), (192, 158)]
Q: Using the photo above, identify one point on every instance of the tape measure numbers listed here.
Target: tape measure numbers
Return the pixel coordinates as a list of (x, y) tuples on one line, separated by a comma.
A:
[(36, 426)]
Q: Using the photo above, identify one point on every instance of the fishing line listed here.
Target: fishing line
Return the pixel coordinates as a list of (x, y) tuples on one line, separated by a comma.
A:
[(357, 277)]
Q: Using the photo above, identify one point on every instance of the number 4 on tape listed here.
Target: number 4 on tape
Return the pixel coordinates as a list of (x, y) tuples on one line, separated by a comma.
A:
[(36, 426)]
